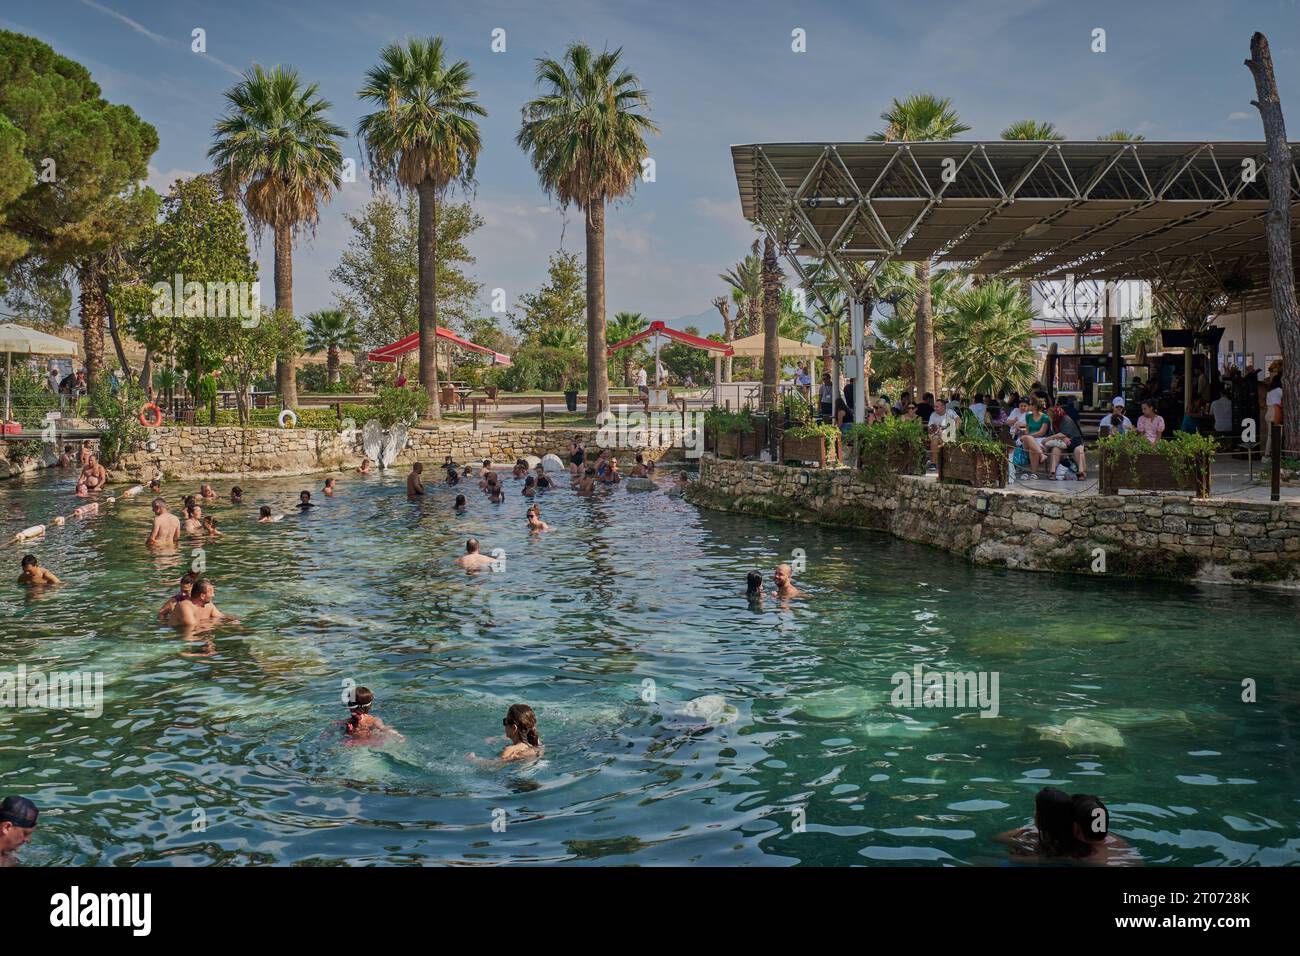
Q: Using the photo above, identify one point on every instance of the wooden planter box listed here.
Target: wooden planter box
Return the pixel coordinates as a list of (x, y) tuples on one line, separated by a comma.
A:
[(751, 443), (814, 449), (899, 460), (977, 468), (1153, 473)]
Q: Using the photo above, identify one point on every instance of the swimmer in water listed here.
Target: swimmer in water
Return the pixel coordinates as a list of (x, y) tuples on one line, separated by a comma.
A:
[(498, 495), (210, 526), (304, 501), (33, 575), (639, 470), (166, 531), (193, 519), (414, 481), (520, 469), (1068, 829), (577, 456), (155, 487), (187, 582), (754, 587), (530, 487), (680, 485), (207, 492), (535, 523), (587, 486), (473, 559), (785, 588), (93, 474), (82, 490), (65, 460), (364, 468), (265, 516), (460, 504), (329, 488), (17, 822), (198, 607), (543, 482), (521, 730), (362, 724), (236, 495)]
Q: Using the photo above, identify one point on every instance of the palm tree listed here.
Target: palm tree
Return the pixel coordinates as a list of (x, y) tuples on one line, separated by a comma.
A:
[(987, 338), (746, 281), (723, 305), (1121, 136), (772, 278), (276, 148), (921, 117), (1033, 130), (328, 331), (624, 325), (586, 140), (792, 324), (423, 136)]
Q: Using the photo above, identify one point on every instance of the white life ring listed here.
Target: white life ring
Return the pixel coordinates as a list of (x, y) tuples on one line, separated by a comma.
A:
[(291, 414)]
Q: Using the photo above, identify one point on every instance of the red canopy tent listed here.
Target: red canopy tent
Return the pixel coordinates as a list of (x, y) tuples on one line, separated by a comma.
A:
[(390, 352), (658, 328)]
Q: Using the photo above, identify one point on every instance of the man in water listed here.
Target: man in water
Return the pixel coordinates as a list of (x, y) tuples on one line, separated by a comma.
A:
[(93, 474), (17, 821), (414, 483), (304, 501), (473, 559), (166, 526), (785, 588), (33, 575), (198, 608)]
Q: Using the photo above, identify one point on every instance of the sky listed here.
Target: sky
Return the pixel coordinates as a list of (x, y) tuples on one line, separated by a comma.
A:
[(717, 72)]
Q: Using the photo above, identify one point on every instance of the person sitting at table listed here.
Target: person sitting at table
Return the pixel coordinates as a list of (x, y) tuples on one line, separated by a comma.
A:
[(1066, 438), (1150, 425), (1038, 424), (1116, 422)]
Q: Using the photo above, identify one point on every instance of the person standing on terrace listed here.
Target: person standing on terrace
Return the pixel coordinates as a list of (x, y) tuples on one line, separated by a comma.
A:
[(825, 393), (1150, 425)]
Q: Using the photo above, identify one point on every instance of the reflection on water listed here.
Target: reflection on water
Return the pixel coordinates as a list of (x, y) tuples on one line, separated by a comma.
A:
[(681, 723)]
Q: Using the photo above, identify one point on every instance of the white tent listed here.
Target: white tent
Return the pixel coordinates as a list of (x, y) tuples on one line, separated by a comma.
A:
[(751, 346), (25, 341)]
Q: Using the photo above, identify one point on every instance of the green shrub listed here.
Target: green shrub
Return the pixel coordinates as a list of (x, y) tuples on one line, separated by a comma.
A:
[(728, 423), (323, 418), (118, 416), (1183, 451), (879, 443)]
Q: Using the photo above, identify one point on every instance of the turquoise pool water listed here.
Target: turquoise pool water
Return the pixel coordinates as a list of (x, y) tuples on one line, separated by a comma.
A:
[(1127, 691)]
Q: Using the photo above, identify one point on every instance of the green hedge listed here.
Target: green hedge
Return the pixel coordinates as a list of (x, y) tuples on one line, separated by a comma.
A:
[(323, 418)]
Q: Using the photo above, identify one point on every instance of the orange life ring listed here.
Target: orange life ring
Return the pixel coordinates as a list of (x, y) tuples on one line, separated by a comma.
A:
[(151, 421)]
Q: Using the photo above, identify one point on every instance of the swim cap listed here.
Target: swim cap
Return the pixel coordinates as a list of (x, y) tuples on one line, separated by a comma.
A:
[(19, 811)]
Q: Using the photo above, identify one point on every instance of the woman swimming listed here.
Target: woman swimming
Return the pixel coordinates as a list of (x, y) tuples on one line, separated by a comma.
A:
[(521, 730), (363, 725)]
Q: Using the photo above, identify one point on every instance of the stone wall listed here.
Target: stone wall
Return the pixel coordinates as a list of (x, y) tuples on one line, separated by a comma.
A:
[(1141, 535), (194, 452)]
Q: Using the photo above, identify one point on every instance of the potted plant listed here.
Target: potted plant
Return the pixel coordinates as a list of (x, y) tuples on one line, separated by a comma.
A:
[(571, 393), (729, 430), (1180, 463), (973, 457), (890, 447), (811, 442)]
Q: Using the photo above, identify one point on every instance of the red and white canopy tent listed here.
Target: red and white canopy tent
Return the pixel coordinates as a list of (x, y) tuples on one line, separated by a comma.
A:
[(657, 328), (390, 352)]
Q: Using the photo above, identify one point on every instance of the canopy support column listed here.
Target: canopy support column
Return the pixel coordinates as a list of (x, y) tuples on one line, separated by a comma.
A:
[(856, 323)]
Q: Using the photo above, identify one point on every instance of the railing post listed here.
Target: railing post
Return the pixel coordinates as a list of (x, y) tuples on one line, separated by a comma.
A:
[(1275, 463), (474, 405), (543, 401)]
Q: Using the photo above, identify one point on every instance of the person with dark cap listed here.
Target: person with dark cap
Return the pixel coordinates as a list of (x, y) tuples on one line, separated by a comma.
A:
[(17, 821)]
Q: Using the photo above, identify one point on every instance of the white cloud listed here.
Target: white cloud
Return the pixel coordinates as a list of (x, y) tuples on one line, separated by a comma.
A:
[(1238, 115), (161, 181)]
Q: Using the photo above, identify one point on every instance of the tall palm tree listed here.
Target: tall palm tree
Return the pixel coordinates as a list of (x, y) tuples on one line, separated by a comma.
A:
[(1121, 136), (586, 139), (328, 331), (624, 325), (1033, 130), (921, 117), (772, 278), (278, 150), (423, 136)]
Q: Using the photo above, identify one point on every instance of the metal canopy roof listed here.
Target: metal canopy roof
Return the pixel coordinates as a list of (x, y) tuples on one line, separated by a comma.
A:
[(1017, 208)]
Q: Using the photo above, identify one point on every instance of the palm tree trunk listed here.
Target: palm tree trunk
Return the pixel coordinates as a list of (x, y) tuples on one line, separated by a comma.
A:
[(93, 310), (1277, 228), (429, 297), (111, 313), (286, 380), (597, 361), (332, 364), (924, 330), (771, 323)]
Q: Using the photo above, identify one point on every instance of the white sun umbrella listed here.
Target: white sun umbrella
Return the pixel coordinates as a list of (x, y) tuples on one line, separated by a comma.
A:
[(25, 341)]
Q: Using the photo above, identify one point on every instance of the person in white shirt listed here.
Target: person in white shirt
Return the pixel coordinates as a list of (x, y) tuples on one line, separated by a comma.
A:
[(1117, 421), (941, 415), (642, 388), (1273, 413), (979, 409), (1222, 409)]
